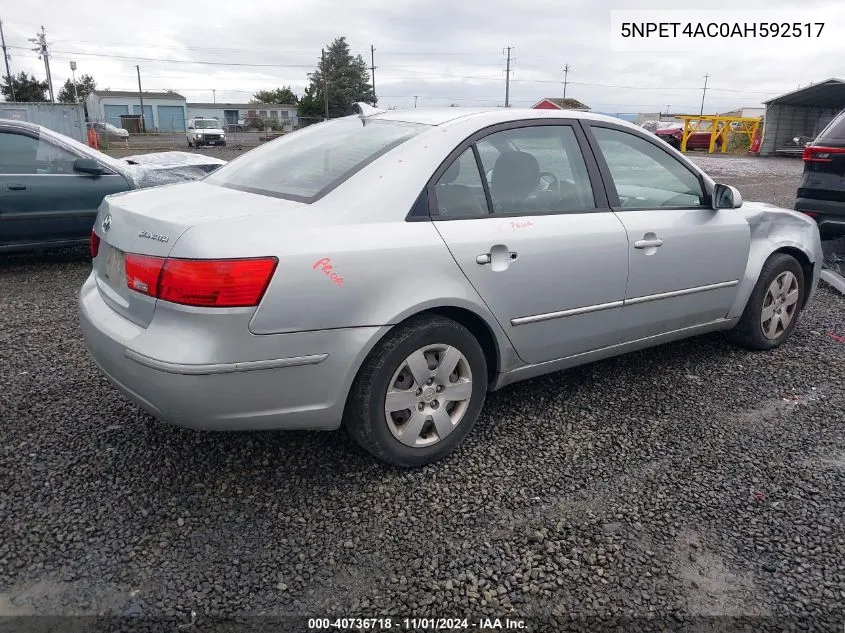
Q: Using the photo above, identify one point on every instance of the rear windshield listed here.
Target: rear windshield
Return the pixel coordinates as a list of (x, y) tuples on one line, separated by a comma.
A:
[(835, 131), (307, 164)]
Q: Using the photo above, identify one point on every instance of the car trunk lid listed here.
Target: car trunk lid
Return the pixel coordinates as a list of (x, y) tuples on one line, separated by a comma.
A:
[(150, 222)]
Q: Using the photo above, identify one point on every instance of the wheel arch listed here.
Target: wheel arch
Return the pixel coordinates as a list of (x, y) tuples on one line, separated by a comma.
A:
[(497, 349), (804, 261), (761, 251)]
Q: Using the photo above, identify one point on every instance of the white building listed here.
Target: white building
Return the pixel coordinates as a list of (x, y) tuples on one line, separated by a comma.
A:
[(234, 113), (163, 111)]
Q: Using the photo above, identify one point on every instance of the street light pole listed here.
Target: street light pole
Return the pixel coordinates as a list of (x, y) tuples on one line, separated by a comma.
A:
[(73, 79)]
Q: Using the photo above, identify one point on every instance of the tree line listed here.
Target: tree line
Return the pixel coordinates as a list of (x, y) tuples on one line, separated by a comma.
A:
[(345, 75)]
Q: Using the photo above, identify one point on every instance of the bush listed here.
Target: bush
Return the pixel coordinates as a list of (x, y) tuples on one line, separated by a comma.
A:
[(738, 143)]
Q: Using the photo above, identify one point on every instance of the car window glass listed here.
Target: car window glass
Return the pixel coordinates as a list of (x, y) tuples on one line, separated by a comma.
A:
[(17, 153), (835, 130), (645, 176), (536, 169), (459, 191), (22, 154), (52, 159), (310, 162)]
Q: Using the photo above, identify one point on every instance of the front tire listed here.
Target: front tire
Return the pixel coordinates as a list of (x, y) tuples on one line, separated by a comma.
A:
[(773, 308), (418, 393)]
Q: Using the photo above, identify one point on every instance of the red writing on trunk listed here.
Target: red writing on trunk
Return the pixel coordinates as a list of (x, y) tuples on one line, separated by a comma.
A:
[(522, 225), (325, 265)]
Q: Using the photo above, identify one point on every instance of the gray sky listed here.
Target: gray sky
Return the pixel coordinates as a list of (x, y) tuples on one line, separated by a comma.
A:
[(443, 51)]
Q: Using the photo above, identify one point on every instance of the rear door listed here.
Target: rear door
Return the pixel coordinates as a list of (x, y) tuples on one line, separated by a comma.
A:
[(523, 214), (42, 199), (685, 259)]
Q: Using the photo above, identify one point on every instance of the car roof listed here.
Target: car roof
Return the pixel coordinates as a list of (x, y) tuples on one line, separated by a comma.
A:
[(484, 116), (23, 125)]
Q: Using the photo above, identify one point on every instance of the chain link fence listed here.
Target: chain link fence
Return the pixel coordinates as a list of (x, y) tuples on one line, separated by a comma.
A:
[(172, 134)]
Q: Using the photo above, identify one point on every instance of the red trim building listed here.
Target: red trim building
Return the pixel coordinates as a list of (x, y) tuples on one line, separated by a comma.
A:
[(554, 103)]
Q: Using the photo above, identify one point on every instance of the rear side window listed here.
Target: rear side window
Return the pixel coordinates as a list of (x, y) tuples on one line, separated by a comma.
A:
[(835, 131), (307, 164)]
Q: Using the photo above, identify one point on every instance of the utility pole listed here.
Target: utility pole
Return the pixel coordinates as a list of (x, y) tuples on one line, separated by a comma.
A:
[(43, 53), (6, 59), (214, 95), (415, 100), (667, 111), (565, 78), (325, 83), (373, 71), (73, 79), (703, 92), (141, 97), (508, 79)]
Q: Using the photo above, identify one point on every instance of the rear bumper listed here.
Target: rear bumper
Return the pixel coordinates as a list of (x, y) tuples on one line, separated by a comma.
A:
[(300, 381), (829, 215)]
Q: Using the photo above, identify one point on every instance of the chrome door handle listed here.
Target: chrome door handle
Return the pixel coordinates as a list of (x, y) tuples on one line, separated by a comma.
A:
[(486, 258), (648, 243)]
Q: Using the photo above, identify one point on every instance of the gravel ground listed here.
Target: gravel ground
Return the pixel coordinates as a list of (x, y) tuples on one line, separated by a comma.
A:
[(689, 480)]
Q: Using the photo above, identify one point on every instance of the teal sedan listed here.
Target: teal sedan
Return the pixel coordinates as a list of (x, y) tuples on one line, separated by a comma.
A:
[(51, 186)]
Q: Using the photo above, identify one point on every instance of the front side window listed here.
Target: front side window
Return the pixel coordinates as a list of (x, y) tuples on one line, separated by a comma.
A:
[(644, 175), (309, 163), (537, 169), (22, 154)]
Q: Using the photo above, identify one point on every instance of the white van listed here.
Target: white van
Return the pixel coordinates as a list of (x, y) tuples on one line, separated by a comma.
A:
[(205, 132)]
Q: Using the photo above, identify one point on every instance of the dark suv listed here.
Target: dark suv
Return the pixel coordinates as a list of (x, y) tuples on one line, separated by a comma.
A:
[(821, 194)]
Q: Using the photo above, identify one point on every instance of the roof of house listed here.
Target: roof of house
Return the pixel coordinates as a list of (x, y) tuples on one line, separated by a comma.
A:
[(147, 95), (563, 104), (827, 93), (242, 106)]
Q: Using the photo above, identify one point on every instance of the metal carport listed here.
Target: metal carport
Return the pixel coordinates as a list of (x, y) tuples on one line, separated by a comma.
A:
[(804, 112)]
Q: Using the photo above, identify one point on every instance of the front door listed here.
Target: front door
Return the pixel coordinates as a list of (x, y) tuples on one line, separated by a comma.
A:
[(533, 234), (42, 199), (685, 259)]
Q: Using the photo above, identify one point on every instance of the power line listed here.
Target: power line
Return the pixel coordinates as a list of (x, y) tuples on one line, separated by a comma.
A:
[(508, 79), (6, 59), (565, 75), (40, 40), (373, 71)]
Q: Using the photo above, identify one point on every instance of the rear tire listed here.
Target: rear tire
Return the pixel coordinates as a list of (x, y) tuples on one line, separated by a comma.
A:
[(442, 407), (773, 307)]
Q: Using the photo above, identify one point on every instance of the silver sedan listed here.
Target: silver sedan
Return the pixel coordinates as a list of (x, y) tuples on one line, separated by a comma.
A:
[(385, 271)]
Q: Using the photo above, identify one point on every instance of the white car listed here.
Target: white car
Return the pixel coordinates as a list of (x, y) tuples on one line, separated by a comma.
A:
[(205, 132)]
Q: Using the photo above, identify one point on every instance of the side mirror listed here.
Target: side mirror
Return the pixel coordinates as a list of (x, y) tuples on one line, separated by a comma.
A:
[(726, 197), (87, 166)]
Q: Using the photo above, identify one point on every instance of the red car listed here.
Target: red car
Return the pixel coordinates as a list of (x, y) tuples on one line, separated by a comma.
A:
[(696, 140)]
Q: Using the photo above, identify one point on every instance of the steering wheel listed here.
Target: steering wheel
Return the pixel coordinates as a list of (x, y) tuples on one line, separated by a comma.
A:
[(553, 181)]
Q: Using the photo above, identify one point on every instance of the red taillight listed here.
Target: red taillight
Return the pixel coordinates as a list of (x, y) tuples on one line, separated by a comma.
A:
[(212, 283), (820, 153), (95, 244), (143, 273), (812, 214)]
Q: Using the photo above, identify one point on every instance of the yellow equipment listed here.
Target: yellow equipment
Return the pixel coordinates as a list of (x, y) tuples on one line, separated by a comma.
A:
[(719, 127)]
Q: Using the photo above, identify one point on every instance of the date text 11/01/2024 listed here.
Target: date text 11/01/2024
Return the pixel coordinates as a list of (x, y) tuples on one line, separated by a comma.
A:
[(415, 624), (721, 29)]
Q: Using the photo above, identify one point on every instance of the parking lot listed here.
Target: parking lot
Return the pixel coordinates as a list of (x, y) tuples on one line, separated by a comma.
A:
[(694, 479)]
